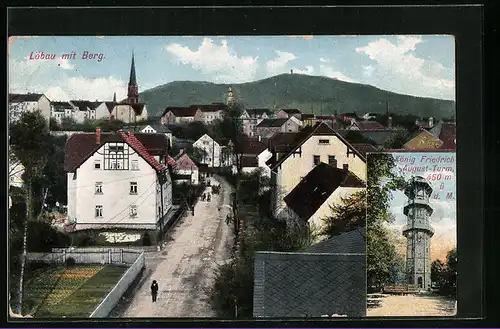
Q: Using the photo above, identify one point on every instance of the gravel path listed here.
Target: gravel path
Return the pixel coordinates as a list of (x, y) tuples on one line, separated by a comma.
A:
[(410, 305), (185, 268)]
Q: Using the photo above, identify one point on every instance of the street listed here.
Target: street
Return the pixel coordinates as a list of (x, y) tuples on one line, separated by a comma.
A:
[(184, 269)]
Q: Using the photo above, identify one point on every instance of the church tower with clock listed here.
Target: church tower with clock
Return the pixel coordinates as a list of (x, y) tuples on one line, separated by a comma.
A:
[(418, 232)]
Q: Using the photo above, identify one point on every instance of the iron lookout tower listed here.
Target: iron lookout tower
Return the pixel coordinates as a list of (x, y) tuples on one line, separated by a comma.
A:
[(418, 232)]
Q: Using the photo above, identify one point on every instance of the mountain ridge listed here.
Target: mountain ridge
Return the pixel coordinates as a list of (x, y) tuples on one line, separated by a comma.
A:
[(311, 94)]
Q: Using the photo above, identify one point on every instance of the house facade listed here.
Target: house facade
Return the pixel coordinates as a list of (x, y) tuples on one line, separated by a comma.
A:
[(211, 113), (250, 118), (61, 110), (313, 146), (181, 115), (310, 202), (130, 112), (268, 127), (30, 102), (253, 152), (84, 110), (213, 153), (185, 170), (115, 182)]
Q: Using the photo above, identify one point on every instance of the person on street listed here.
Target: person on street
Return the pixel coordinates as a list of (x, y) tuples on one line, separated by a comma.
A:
[(154, 290)]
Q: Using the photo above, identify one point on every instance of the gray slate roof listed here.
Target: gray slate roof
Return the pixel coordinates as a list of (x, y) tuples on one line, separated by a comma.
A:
[(325, 279)]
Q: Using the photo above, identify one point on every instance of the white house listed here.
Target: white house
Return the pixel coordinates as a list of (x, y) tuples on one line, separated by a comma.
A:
[(185, 170), (62, 110), (291, 162), (180, 115), (116, 181), (84, 110), (19, 103), (212, 113), (324, 186), (214, 153), (253, 153)]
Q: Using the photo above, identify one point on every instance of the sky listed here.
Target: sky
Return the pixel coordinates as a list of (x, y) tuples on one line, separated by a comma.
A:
[(444, 217), (413, 65)]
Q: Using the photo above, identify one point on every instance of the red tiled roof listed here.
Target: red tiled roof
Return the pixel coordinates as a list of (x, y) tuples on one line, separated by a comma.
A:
[(82, 145), (131, 140), (171, 161), (369, 125), (184, 162)]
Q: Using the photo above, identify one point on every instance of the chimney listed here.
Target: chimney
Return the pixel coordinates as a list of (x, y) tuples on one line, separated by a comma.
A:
[(431, 122), (98, 136), (389, 122), (346, 167)]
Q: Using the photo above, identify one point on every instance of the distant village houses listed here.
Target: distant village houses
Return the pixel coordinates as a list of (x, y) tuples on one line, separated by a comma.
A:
[(288, 113), (185, 169), (253, 152), (250, 118), (268, 127), (30, 102), (208, 114)]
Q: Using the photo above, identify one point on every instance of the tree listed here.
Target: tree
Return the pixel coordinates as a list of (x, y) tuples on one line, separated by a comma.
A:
[(444, 275), (53, 124), (29, 140), (346, 215), (381, 251), (110, 125), (68, 123), (398, 139)]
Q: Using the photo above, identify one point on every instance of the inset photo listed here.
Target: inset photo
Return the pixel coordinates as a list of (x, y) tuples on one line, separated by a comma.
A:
[(411, 228)]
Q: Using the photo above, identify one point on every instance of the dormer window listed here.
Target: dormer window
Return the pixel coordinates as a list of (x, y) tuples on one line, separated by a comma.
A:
[(324, 142)]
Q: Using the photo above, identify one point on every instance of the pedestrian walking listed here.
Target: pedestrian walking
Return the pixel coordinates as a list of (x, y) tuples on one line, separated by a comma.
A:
[(154, 290)]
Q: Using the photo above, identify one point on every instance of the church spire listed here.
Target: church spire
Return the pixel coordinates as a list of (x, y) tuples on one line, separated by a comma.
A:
[(133, 89), (133, 80)]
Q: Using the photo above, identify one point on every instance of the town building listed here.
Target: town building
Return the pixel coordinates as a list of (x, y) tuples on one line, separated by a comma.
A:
[(213, 153), (312, 119), (250, 118), (310, 202), (117, 180), (30, 102), (418, 232), (211, 113), (252, 153), (288, 113), (130, 110), (154, 128), (84, 110), (185, 170), (180, 115), (295, 155), (268, 127), (61, 110)]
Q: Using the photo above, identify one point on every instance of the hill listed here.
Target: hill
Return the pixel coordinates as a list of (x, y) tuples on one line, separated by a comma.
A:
[(311, 94)]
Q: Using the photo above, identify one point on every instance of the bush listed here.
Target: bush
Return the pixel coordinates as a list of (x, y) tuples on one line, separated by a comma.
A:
[(83, 239), (42, 237), (70, 261), (146, 240)]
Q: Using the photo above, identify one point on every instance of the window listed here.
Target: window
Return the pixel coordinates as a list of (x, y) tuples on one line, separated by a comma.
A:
[(420, 194), (331, 159), (133, 187), (316, 159), (159, 211), (135, 164), (98, 188), (133, 211), (98, 211), (324, 142), (97, 164), (12, 178)]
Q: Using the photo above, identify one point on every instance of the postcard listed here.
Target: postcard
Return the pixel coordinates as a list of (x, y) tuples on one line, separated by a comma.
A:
[(225, 176)]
